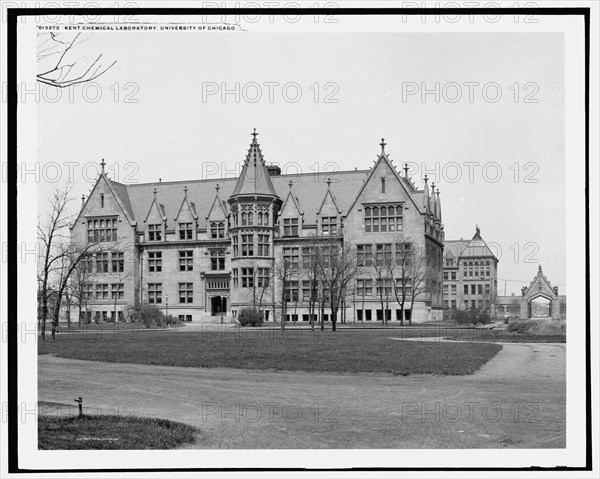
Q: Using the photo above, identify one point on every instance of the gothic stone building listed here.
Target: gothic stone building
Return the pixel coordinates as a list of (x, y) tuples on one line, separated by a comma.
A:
[(199, 249), (470, 274)]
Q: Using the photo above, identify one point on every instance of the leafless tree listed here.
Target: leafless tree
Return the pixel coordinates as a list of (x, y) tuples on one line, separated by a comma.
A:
[(58, 64), (337, 266), (283, 274), (420, 271), (401, 271)]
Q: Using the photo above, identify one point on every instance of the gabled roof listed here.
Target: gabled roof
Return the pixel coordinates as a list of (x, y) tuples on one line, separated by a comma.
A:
[(328, 195), (254, 178), (118, 191), (217, 205), (383, 157), (291, 202), (541, 278), (475, 248), (156, 204), (185, 202)]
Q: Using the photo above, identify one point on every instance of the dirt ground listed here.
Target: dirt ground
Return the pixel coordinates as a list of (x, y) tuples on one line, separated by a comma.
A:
[(515, 400)]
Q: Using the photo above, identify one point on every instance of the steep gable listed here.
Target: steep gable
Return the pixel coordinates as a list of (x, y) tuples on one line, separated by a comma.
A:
[(107, 198)]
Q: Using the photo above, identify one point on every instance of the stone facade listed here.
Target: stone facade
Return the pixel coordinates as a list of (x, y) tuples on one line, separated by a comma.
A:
[(470, 275), (200, 249)]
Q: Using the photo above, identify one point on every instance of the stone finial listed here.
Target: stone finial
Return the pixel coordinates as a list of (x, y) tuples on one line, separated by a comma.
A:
[(254, 134), (155, 191), (102, 164), (290, 184), (405, 170), (185, 190), (217, 187), (328, 182), (382, 144)]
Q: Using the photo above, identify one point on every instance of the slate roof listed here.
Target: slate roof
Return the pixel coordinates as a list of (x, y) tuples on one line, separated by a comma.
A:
[(474, 248), (309, 189)]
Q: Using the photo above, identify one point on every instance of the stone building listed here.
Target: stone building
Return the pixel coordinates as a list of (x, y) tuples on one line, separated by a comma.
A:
[(470, 274), (200, 249)]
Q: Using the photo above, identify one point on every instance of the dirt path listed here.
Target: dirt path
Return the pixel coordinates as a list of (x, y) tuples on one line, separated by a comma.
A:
[(516, 400)]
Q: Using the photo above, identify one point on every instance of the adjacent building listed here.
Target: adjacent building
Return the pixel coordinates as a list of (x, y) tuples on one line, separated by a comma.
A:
[(200, 249), (470, 274)]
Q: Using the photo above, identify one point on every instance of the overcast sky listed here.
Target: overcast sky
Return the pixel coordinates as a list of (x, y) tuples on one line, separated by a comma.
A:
[(173, 133)]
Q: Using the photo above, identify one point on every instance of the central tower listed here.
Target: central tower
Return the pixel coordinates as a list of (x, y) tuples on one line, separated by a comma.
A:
[(254, 206)]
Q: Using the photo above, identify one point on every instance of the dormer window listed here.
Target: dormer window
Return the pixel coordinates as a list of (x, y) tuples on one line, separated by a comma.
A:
[(217, 229), (290, 227), (185, 231), (329, 225), (154, 232)]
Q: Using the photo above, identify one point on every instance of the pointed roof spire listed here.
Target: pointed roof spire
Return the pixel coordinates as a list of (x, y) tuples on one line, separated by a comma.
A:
[(426, 195), (477, 231), (382, 144), (254, 177), (438, 205)]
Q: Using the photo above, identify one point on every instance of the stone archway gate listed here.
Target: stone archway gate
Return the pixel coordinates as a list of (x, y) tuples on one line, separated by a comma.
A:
[(540, 287)]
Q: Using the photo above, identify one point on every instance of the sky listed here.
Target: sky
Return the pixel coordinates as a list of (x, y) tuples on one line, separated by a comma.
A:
[(498, 161)]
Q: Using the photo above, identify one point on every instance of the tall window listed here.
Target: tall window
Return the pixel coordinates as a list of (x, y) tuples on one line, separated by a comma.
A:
[(102, 291), (263, 245), (383, 218), (383, 254), (263, 277), (186, 260), (102, 229), (291, 291), (154, 232), (118, 262), (234, 275), (247, 245), (290, 227), (466, 289), (250, 218), (329, 225), (117, 291), (364, 287), (155, 293), (186, 292), (155, 261), (247, 277), (217, 229), (217, 260), (234, 240), (308, 257), (291, 257), (186, 231), (102, 262), (364, 254)]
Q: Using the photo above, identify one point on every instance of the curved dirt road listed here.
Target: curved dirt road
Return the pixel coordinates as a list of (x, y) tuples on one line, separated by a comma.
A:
[(515, 400)]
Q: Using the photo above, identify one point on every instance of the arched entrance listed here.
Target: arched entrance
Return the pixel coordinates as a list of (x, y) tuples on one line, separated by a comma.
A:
[(539, 307), (540, 299)]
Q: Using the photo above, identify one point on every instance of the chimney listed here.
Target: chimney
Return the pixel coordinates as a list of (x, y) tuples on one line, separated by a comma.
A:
[(273, 170)]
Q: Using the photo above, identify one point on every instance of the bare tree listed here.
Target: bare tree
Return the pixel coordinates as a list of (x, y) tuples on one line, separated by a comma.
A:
[(382, 270), (337, 267), (50, 234), (82, 282), (419, 273), (401, 271), (283, 273), (58, 63)]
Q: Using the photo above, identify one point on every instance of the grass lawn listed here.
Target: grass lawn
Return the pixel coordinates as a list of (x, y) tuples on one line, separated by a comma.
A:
[(65, 328), (299, 350), (111, 432)]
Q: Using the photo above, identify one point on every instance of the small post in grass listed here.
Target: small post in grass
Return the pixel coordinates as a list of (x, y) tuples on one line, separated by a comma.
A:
[(80, 402)]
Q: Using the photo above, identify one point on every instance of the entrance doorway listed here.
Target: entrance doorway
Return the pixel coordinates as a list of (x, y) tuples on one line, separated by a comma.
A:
[(218, 305), (540, 307)]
